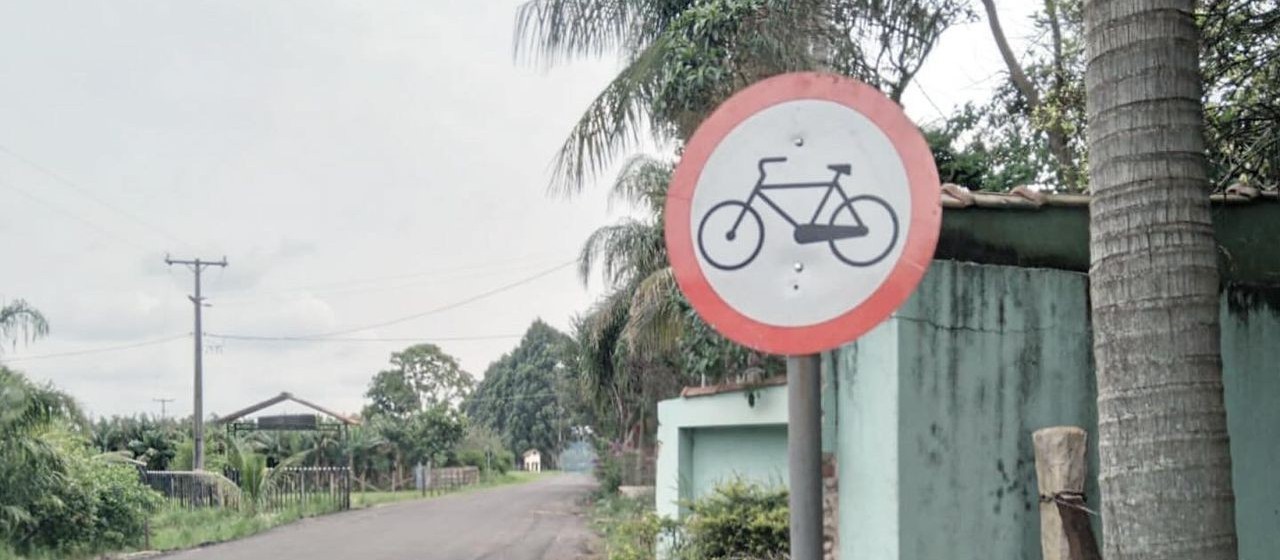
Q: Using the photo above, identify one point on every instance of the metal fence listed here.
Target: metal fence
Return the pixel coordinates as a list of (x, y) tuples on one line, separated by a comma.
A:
[(321, 487), (325, 488), (638, 468), (446, 479), (192, 489)]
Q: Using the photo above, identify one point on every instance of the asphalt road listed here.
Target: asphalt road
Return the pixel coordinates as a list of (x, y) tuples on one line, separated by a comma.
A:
[(532, 521)]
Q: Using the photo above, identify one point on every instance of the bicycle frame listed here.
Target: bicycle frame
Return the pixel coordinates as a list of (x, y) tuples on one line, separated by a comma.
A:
[(759, 191)]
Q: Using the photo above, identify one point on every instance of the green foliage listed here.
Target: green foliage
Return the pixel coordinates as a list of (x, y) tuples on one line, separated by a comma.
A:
[(683, 57), (482, 447), (737, 520), (422, 377), (154, 442), (31, 466), (983, 149), (20, 321), (608, 474), (519, 398), (55, 494), (629, 527), (415, 407), (1240, 63), (179, 527), (1240, 60)]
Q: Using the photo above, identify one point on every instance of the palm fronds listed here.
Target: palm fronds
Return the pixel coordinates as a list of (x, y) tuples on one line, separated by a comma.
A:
[(19, 318), (643, 182), (655, 318), (611, 124), (624, 252)]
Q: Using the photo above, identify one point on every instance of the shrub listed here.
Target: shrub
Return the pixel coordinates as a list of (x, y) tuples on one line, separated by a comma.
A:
[(471, 458), (503, 461), (629, 527), (608, 474), (100, 506), (738, 520)]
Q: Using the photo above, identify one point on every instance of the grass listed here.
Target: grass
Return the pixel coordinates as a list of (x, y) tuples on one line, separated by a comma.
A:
[(176, 528), (628, 527), (370, 499)]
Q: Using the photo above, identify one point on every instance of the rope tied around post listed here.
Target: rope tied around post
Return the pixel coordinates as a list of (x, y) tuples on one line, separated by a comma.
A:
[(1073, 500)]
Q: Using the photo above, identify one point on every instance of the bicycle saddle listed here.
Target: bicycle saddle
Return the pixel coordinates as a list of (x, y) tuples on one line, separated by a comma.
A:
[(841, 168)]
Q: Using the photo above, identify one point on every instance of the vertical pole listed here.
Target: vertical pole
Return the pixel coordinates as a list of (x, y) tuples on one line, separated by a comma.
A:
[(804, 455), (1065, 533), (197, 420)]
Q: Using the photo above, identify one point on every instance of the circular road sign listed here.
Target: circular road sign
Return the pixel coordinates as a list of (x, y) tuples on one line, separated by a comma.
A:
[(803, 212)]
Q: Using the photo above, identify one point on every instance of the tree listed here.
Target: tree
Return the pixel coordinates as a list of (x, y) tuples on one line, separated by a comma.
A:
[(423, 377), (415, 406), (683, 57), (142, 438), (518, 396), (1021, 131), (1058, 130), (1165, 470), (20, 321), (56, 496)]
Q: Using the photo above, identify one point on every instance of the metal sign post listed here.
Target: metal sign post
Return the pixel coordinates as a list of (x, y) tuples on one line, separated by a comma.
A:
[(804, 454), (803, 212)]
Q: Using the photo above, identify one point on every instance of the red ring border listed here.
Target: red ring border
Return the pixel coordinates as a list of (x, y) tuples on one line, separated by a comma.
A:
[(922, 239)]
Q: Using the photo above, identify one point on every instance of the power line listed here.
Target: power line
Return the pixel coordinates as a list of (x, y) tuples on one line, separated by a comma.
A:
[(371, 339), (89, 194), (431, 311), (356, 287), (94, 350), (67, 214)]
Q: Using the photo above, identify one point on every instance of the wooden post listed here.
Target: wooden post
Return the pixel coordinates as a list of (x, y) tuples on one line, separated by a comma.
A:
[(1065, 533)]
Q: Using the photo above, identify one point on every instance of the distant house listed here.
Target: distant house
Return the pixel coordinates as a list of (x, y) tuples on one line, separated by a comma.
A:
[(532, 460)]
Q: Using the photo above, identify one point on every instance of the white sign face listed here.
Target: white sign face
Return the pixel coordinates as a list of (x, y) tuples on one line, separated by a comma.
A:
[(800, 213)]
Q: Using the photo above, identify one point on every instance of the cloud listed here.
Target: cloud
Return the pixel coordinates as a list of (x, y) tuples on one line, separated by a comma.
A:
[(111, 317)]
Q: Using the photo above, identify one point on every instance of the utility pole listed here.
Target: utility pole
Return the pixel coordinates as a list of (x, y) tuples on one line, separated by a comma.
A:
[(197, 421), (162, 403)]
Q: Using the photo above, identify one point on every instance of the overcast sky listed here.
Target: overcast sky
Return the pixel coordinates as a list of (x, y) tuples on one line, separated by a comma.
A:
[(356, 162)]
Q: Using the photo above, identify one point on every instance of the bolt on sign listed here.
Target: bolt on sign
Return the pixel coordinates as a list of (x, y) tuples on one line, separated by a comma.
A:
[(803, 212)]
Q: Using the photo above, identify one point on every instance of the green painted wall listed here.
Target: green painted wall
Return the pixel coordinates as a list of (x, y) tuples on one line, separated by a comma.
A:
[(701, 439), (984, 356), (1251, 375), (754, 453), (936, 407)]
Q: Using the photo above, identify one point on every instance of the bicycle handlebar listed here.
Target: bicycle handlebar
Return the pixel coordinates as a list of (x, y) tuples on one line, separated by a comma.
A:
[(764, 161)]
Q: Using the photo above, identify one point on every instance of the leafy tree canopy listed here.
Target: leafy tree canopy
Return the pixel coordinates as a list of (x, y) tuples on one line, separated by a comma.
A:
[(519, 397), (422, 377)]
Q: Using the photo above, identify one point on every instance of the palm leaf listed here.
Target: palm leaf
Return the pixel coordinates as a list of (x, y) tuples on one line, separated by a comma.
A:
[(624, 252), (643, 182), (554, 30), (611, 124), (18, 317), (655, 318)]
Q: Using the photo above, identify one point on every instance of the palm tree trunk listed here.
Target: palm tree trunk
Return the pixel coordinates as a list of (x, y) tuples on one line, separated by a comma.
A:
[(1165, 471)]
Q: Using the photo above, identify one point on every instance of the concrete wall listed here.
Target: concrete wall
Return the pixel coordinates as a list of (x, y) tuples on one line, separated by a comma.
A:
[(930, 417), (1251, 375), (937, 406), (702, 439), (754, 453)]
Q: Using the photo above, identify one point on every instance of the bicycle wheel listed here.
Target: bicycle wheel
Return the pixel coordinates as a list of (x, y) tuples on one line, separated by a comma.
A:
[(882, 230), (730, 235)]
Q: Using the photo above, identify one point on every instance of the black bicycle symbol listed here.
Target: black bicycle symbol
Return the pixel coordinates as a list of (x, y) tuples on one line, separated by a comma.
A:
[(745, 237)]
